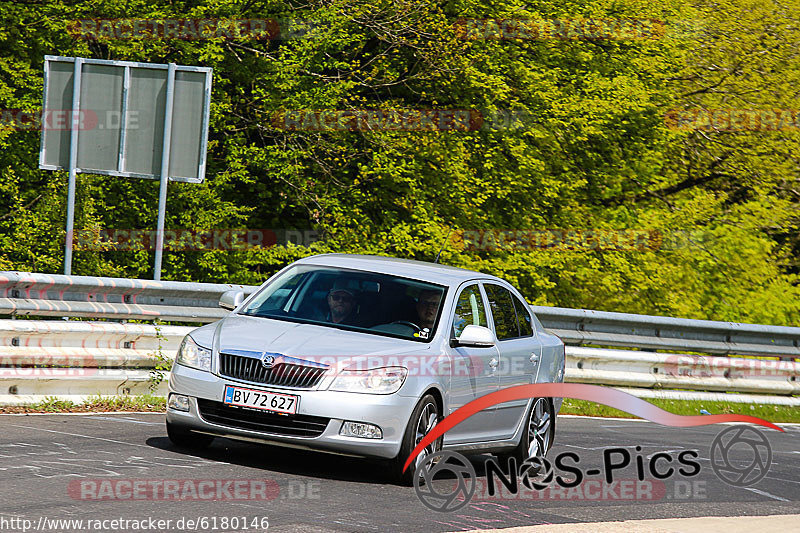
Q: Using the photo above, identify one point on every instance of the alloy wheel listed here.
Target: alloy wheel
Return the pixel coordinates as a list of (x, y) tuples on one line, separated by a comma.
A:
[(428, 418), (539, 428)]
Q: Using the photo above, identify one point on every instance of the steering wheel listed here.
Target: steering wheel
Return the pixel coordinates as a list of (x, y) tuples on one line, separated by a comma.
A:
[(407, 323)]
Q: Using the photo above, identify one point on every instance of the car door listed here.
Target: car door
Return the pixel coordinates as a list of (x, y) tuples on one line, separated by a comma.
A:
[(473, 369), (519, 349)]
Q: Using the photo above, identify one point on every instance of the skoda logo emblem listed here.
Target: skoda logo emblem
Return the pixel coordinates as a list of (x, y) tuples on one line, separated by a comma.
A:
[(267, 360)]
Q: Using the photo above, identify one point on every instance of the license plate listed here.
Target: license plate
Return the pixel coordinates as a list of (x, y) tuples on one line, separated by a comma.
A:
[(259, 399)]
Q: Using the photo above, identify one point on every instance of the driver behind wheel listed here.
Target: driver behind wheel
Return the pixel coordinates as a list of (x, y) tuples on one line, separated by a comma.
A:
[(342, 304), (427, 308)]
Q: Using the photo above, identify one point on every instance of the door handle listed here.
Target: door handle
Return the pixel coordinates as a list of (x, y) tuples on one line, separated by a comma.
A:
[(494, 362), (534, 357)]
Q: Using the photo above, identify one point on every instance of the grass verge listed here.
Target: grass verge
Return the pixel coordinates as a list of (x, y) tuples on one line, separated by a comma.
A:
[(145, 403), (772, 413)]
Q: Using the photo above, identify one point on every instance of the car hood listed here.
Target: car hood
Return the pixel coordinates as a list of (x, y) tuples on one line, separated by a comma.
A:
[(239, 333)]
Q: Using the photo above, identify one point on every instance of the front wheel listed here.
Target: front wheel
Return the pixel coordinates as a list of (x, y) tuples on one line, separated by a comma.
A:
[(423, 419), (538, 432)]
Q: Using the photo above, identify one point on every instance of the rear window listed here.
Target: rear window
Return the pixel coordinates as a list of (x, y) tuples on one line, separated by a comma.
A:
[(503, 313), (523, 318)]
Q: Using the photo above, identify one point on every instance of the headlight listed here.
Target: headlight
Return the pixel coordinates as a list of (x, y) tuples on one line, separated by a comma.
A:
[(376, 381), (193, 355)]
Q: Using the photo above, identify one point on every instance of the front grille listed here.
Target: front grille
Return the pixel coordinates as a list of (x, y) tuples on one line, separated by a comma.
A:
[(283, 374), (237, 417)]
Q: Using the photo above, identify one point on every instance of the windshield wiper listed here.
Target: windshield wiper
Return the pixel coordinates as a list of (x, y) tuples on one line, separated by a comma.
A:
[(261, 315)]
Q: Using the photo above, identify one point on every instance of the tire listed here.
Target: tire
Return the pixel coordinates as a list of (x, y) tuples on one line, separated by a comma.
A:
[(538, 433), (184, 438), (423, 418)]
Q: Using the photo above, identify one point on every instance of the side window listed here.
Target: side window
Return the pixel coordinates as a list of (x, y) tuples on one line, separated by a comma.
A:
[(505, 316), (524, 316), (469, 310)]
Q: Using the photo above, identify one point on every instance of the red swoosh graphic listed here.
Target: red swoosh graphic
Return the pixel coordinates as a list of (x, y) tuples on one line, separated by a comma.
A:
[(593, 393)]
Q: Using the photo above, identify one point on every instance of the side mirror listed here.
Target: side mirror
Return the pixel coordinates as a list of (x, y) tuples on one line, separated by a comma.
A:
[(477, 336), (231, 299)]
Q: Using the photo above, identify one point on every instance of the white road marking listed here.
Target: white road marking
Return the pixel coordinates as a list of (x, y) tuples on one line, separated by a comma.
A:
[(126, 420), (783, 480), (85, 436), (767, 494)]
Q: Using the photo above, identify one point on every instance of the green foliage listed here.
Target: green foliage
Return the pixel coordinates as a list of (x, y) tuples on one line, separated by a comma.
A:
[(52, 404), (596, 152), (162, 362), (144, 402)]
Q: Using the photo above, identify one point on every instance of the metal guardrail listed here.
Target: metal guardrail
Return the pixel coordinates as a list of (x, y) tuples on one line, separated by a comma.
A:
[(75, 360), (80, 358), (659, 371), (29, 294), (603, 328)]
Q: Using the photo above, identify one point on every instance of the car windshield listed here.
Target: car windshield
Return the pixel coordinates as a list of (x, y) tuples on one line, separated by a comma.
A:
[(349, 299)]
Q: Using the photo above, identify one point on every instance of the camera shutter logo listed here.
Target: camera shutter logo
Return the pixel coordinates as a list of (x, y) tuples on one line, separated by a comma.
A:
[(741, 456), (455, 465), (536, 473)]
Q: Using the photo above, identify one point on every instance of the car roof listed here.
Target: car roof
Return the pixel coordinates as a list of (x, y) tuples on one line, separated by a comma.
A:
[(407, 268)]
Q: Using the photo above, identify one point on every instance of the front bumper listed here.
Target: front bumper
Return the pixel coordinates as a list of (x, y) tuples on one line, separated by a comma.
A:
[(390, 412)]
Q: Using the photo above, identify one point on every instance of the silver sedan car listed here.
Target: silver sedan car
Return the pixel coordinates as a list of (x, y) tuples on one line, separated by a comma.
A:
[(363, 355)]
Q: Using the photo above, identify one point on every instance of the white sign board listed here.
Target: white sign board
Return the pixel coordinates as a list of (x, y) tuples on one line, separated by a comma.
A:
[(122, 118), (119, 118)]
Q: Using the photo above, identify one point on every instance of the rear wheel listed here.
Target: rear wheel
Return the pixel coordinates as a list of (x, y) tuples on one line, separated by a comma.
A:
[(538, 433), (187, 439), (423, 419)]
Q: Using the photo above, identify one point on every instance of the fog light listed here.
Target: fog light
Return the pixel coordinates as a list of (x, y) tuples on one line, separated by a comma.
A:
[(178, 402), (358, 429)]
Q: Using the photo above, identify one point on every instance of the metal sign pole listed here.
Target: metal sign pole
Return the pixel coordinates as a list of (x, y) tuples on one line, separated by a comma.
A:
[(165, 149), (73, 161)]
